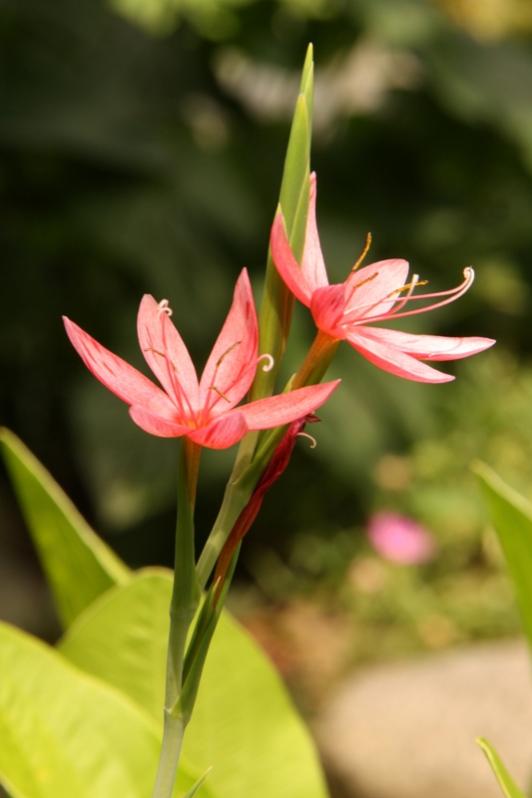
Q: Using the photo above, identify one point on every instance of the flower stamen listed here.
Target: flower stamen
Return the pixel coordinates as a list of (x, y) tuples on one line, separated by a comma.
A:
[(361, 257), (360, 314), (312, 440), (269, 361), (165, 308)]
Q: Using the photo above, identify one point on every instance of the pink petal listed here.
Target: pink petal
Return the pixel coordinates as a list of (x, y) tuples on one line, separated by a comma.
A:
[(312, 263), (157, 425), (388, 358), (221, 433), (118, 376), (368, 290), (285, 263), (327, 308), (232, 363), (430, 347), (285, 407), (167, 355)]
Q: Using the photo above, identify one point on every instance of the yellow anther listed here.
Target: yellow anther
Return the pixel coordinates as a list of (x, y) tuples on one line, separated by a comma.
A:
[(364, 252)]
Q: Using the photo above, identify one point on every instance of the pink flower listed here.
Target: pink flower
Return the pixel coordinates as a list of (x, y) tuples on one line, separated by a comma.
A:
[(400, 539), (203, 411), (378, 292)]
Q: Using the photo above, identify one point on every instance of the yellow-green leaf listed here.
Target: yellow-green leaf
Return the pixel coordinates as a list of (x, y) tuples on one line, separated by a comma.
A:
[(64, 734), (243, 725), (506, 782), (511, 515), (78, 564)]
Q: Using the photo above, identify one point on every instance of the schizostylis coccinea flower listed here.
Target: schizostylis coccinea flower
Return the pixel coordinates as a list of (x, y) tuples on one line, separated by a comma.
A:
[(376, 293), (203, 410)]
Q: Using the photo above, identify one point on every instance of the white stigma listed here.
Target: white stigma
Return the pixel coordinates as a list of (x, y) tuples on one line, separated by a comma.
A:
[(313, 442), (270, 361), (165, 308)]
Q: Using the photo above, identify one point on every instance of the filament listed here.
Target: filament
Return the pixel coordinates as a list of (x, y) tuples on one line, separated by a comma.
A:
[(312, 440), (450, 295), (364, 252)]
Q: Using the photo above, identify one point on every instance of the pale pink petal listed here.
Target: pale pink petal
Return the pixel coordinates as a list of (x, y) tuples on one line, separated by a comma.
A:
[(372, 290), (327, 308), (232, 363), (388, 358), (430, 347), (163, 427), (286, 264), (312, 263), (400, 539), (123, 380), (222, 432), (167, 355), (285, 407)]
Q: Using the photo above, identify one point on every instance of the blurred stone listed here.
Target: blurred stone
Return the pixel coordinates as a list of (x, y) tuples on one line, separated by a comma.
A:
[(408, 730)]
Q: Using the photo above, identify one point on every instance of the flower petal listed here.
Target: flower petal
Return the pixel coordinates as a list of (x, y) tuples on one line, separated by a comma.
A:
[(123, 380), (222, 432), (275, 411), (157, 425), (388, 358), (430, 347), (232, 363), (327, 307), (285, 262), (372, 291), (312, 263), (167, 355)]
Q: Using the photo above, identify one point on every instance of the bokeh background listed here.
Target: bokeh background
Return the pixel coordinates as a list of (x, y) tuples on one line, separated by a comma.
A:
[(141, 146)]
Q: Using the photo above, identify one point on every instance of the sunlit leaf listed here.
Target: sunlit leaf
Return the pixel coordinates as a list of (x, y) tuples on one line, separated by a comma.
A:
[(78, 564), (65, 734), (242, 706)]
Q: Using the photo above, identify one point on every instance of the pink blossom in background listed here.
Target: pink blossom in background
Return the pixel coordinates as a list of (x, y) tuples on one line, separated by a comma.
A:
[(400, 539)]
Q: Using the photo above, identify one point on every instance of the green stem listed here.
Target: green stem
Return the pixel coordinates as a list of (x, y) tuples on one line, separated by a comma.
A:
[(245, 473), (182, 609)]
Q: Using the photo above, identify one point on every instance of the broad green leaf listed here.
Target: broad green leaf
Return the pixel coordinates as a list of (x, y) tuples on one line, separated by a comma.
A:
[(243, 725), (64, 734), (78, 564), (122, 638), (511, 515), (506, 782)]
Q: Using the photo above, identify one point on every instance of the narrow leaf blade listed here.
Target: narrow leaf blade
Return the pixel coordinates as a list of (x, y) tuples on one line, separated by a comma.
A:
[(506, 782), (78, 564), (511, 516)]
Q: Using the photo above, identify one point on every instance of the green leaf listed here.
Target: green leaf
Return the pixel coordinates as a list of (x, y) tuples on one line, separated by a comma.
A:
[(122, 639), (511, 515), (65, 734), (277, 301), (243, 725), (78, 564), (194, 789), (506, 782)]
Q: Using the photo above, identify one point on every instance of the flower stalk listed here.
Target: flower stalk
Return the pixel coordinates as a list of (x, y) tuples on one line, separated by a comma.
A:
[(184, 603)]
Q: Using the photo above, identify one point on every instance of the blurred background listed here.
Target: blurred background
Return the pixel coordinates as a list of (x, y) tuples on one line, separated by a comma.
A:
[(141, 146)]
